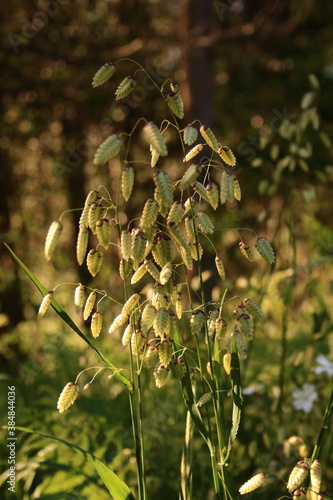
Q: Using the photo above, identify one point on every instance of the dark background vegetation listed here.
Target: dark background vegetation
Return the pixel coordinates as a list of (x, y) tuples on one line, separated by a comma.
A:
[(243, 69)]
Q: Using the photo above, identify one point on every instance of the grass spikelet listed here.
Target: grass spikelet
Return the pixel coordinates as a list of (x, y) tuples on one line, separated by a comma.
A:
[(204, 399), (200, 190), (196, 251), (127, 182), (161, 373), (226, 361), (165, 249), (177, 212), (161, 321), (118, 321), (148, 317), (94, 261), (179, 305), (149, 214), (252, 484), (315, 476), (190, 229), (187, 258), (138, 341), (131, 303), (178, 236), (237, 189), (180, 367), (240, 342), (155, 138), (104, 73), (45, 304), (193, 152), (159, 299), (165, 351), (297, 476), (166, 273), (125, 268), (190, 135), (213, 316), (92, 197), (226, 187), (213, 195), (171, 328), (220, 267), (204, 223), (191, 174), (79, 298), (96, 323), (209, 137), (220, 328), (197, 321), (153, 270), (125, 87), (227, 156), (164, 187), (108, 149), (103, 232), (151, 358), (126, 244), (68, 396), (246, 326), (174, 87), (246, 250), (89, 305), (95, 213), (139, 242), (265, 249), (175, 104), (253, 309), (52, 239), (154, 156), (139, 273), (127, 335)]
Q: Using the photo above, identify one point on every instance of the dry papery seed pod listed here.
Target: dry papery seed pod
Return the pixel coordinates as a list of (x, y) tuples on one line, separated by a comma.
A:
[(213, 316), (96, 323), (237, 189), (92, 197), (240, 342), (220, 267), (127, 335), (125, 268), (151, 357), (227, 362), (155, 138), (103, 74), (190, 135), (161, 373), (265, 249), (79, 298), (138, 341), (204, 223), (154, 156), (220, 328), (131, 303), (161, 321), (186, 258), (52, 239), (148, 317), (190, 229), (178, 236), (94, 261), (82, 244), (125, 87), (297, 475), (246, 326), (166, 273), (152, 270), (209, 137), (139, 273), (179, 305), (252, 484), (89, 305), (127, 182), (108, 149), (196, 252), (200, 190), (139, 242), (253, 309), (47, 299), (95, 213), (180, 367), (67, 397), (246, 250), (165, 351), (204, 399)]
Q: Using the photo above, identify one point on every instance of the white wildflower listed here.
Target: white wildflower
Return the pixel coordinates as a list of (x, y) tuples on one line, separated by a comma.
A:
[(304, 398), (324, 365)]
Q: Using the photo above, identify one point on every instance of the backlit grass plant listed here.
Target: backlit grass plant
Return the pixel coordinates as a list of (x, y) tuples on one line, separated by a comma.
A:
[(168, 329)]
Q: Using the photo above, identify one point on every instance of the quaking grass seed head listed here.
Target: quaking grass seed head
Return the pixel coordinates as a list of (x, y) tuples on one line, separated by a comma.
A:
[(52, 239), (45, 304), (252, 484), (297, 475), (68, 396)]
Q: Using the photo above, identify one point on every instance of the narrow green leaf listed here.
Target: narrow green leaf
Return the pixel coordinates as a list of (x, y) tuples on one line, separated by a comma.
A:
[(62, 313), (117, 488), (236, 396)]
